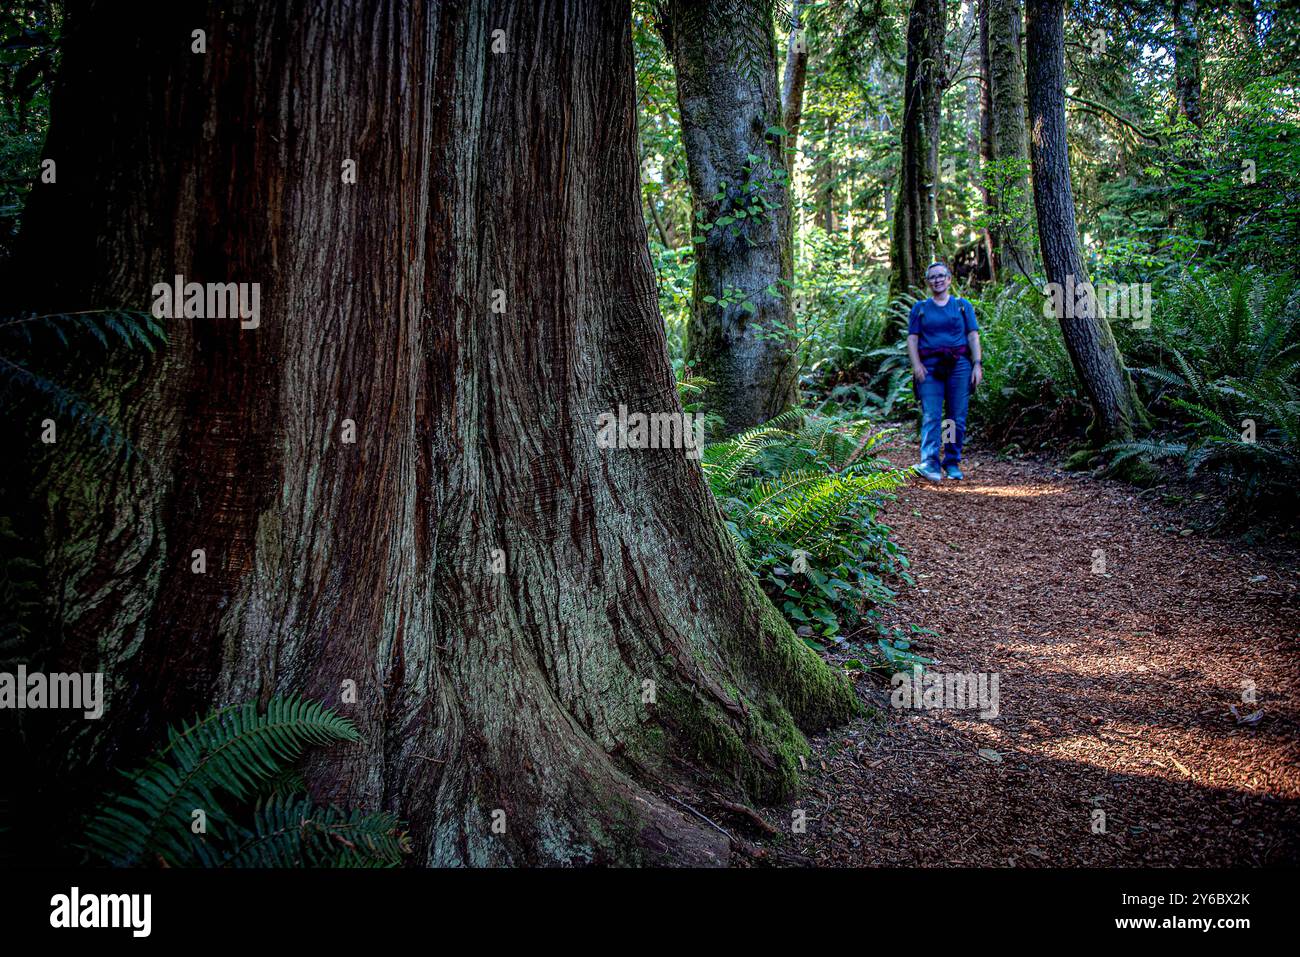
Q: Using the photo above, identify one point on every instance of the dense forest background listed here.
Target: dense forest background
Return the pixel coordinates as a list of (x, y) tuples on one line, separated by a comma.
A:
[(394, 559), (1187, 187)]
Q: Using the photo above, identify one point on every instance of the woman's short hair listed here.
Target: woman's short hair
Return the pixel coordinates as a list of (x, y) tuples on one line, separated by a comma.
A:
[(943, 264)]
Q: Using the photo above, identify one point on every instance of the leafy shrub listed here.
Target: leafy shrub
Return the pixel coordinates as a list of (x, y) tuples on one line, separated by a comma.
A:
[(1222, 374), (1029, 383), (800, 496)]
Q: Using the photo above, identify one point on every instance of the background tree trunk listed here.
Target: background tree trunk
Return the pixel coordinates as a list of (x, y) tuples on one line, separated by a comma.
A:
[(981, 107), (1187, 62), (915, 233), (743, 341), (1088, 336), (1009, 139), (523, 689), (793, 80), (824, 175)]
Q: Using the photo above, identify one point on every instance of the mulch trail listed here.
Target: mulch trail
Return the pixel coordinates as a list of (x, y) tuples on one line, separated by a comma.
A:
[(1116, 689)]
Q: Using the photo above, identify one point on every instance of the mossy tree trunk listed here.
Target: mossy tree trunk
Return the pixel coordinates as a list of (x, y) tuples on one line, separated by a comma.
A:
[(742, 324), (534, 624), (915, 233), (1009, 140)]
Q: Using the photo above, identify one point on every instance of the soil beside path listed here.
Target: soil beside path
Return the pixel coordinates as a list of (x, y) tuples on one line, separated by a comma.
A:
[(1116, 690)]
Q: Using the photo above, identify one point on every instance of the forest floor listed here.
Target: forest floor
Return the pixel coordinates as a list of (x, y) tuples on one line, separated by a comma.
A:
[(1127, 691)]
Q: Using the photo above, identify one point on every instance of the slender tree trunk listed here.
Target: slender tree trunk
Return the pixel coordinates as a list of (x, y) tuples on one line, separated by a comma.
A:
[(974, 91), (535, 624), (1088, 336), (1187, 62), (983, 109), (741, 335), (915, 232), (1009, 140), (824, 178), (794, 79)]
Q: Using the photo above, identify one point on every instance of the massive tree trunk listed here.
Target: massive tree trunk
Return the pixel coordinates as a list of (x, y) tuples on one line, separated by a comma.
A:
[(534, 623), (1009, 196), (1187, 62), (741, 335), (915, 232), (1088, 336)]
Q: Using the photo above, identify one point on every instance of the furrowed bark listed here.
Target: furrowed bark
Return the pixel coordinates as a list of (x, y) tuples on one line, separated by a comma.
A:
[(743, 340), (535, 624), (979, 143)]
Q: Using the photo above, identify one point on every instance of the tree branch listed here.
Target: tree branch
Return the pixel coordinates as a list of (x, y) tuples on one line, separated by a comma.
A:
[(1101, 107)]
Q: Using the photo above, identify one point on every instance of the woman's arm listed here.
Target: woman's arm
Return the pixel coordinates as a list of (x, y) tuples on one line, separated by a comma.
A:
[(913, 353), (976, 357)]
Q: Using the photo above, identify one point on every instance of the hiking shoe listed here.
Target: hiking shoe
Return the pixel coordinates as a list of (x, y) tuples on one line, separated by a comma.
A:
[(928, 472), (953, 472)]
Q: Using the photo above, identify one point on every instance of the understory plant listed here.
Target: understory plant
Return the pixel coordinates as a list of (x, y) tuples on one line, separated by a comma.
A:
[(225, 792), (1030, 389), (1221, 371), (79, 341), (801, 497)]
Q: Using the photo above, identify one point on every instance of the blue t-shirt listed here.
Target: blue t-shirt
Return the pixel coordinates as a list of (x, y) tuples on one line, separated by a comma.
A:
[(941, 327)]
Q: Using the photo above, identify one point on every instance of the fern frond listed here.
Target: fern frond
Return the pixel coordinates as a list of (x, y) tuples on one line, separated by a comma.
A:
[(230, 753), (99, 429), (296, 832), (1147, 449)]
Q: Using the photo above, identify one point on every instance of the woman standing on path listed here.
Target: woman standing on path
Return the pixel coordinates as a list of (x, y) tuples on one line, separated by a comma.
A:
[(943, 342)]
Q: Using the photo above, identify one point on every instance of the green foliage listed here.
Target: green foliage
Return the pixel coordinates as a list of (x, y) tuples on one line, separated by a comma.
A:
[(894, 648), (1223, 377), (695, 386), (295, 832), (29, 56), (28, 340), (800, 496), (1029, 383), (752, 196), (234, 760)]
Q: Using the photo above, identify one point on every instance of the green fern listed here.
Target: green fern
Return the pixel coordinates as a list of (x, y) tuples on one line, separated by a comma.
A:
[(801, 507), (294, 832), (808, 483), (24, 337), (1226, 352), (234, 754)]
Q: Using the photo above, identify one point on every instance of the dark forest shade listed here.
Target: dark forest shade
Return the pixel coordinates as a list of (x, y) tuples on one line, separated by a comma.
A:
[(1187, 62), (522, 690)]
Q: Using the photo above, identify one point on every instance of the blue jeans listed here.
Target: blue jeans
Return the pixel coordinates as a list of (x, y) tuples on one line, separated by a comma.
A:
[(935, 392)]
